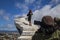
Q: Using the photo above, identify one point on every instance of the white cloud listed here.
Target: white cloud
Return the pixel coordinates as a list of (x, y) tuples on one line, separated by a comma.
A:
[(10, 25), (18, 15), (22, 7), (29, 1), (19, 5), (55, 12), (6, 18), (46, 10), (2, 12), (35, 3), (36, 7), (38, 2), (15, 16), (55, 2), (38, 14)]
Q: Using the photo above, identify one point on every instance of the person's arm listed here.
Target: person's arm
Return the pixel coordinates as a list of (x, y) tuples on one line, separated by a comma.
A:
[(28, 14), (31, 13)]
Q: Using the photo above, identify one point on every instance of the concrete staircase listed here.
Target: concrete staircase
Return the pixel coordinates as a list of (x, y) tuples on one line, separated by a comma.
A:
[(27, 31)]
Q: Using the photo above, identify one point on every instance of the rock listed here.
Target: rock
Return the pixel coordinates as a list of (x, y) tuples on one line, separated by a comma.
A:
[(48, 20)]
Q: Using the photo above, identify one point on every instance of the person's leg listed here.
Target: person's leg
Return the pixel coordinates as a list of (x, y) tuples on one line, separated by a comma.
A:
[(30, 23)]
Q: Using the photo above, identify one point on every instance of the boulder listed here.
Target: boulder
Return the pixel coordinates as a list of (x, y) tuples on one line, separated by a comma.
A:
[(48, 20)]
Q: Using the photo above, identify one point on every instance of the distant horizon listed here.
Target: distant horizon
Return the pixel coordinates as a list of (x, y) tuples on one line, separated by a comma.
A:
[(8, 30)]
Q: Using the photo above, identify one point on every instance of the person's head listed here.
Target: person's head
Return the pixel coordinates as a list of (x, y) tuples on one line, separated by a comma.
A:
[(30, 11)]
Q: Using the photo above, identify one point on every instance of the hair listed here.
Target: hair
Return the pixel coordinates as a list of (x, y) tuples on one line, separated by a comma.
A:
[(30, 11)]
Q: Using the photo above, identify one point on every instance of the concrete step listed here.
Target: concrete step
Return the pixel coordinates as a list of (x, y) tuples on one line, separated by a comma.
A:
[(29, 29), (25, 37), (28, 33)]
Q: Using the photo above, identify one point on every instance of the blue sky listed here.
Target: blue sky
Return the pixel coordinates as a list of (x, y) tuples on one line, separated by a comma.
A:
[(9, 9)]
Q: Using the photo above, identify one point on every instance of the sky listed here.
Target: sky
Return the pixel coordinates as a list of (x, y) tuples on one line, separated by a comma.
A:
[(10, 9)]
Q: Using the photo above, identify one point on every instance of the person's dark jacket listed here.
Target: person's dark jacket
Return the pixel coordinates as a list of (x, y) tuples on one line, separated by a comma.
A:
[(29, 16)]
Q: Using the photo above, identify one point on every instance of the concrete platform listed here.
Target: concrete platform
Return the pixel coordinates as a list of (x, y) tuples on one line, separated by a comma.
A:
[(28, 33)]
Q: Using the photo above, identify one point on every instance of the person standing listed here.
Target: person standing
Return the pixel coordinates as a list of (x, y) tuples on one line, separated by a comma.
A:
[(29, 17)]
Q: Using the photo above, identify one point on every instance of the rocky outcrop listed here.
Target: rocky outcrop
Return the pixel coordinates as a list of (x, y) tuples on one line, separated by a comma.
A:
[(26, 31), (48, 20)]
